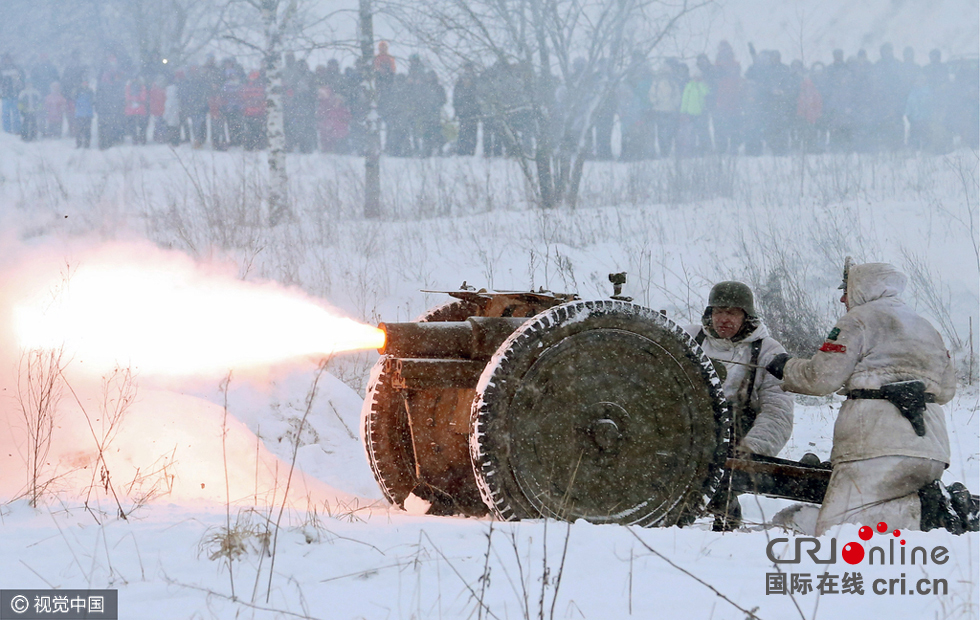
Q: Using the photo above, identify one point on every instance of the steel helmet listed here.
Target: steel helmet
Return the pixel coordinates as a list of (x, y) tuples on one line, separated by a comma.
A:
[(732, 295)]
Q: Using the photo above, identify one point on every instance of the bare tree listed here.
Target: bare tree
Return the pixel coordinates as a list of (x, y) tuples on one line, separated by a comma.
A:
[(372, 155), (39, 389), (554, 63)]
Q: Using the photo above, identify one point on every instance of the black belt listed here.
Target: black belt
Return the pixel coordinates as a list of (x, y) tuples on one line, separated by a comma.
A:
[(877, 394)]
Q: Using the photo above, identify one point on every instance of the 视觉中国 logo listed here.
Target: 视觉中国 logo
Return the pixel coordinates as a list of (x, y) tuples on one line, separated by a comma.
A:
[(888, 549)]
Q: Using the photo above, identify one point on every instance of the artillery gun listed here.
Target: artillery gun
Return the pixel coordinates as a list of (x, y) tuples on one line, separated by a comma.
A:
[(531, 404)]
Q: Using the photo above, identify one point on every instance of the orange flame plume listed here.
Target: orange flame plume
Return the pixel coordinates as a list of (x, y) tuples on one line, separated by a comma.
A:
[(170, 318)]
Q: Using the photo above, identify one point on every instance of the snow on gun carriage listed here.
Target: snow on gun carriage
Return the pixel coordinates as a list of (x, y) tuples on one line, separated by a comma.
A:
[(531, 404)]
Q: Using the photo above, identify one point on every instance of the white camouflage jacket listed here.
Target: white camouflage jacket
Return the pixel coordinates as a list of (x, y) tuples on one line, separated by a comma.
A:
[(774, 422), (880, 340)]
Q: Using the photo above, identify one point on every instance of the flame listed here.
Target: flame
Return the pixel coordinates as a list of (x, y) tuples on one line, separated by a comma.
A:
[(170, 317)]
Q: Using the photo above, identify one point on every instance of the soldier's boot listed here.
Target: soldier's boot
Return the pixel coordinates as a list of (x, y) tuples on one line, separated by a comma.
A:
[(728, 516), (965, 505), (937, 509)]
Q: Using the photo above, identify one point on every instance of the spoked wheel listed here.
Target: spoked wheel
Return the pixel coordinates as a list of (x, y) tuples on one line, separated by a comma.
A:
[(387, 431), (601, 410), (417, 438)]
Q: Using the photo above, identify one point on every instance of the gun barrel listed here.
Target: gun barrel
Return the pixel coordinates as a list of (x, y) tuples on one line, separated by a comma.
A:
[(476, 338)]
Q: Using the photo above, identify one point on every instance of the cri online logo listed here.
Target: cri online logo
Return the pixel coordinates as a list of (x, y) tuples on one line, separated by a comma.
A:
[(854, 553)]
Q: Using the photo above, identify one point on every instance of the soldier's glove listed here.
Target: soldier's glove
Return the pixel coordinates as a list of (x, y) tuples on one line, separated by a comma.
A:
[(775, 366)]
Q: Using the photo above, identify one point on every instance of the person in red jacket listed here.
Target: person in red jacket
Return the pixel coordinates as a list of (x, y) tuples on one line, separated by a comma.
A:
[(253, 112), (158, 103), (333, 120), (136, 112), (809, 109)]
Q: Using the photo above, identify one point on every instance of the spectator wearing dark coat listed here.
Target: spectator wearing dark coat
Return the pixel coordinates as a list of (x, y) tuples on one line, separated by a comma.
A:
[(937, 76), (84, 112), (920, 109), (430, 115), (963, 118), (414, 105), (493, 102), (12, 80), (71, 80), (838, 109), (171, 117), (110, 104), (936, 72), (194, 103), (605, 114), (398, 116), (780, 92), (636, 112), (756, 101), (355, 95), (43, 74), (216, 109), (862, 95), (728, 100), (466, 106), (304, 108), (890, 95), (909, 70), (331, 76), (30, 105)]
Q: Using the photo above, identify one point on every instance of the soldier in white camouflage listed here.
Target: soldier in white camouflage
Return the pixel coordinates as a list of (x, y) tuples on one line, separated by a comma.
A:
[(890, 437)]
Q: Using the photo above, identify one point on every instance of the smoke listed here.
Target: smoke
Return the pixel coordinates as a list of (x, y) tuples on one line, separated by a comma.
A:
[(124, 314)]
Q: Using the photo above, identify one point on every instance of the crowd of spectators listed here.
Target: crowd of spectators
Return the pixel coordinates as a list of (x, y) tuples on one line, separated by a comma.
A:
[(673, 109)]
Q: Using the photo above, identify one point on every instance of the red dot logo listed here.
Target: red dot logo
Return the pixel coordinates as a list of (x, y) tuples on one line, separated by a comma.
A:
[(897, 533), (865, 533), (882, 527), (852, 553)]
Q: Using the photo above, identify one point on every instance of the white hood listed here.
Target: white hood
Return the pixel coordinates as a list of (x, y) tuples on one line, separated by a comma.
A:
[(872, 281)]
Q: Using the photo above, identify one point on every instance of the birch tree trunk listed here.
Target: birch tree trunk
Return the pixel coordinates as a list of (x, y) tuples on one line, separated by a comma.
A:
[(275, 122), (372, 155)]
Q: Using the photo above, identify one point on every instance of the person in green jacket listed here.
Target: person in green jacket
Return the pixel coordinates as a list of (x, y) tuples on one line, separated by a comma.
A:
[(695, 138)]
